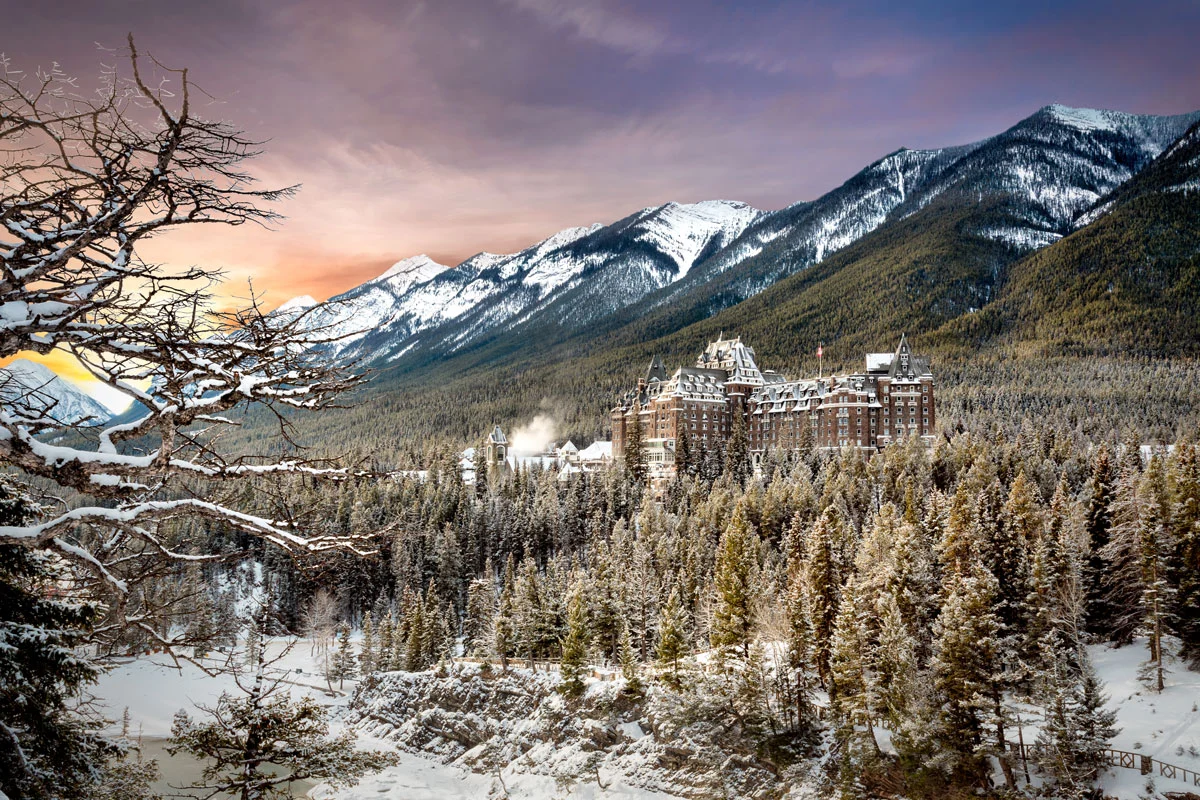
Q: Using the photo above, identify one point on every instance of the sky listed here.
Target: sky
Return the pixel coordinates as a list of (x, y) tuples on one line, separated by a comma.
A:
[(452, 127)]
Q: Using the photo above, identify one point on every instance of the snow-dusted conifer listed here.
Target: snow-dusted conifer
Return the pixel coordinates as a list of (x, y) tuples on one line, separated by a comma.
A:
[(822, 583), (631, 668), (1185, 559), (342, 664), (575, 646), (479, 621), (733, 579), (964, 667), (368, 655), (386, 646), (672, 637)]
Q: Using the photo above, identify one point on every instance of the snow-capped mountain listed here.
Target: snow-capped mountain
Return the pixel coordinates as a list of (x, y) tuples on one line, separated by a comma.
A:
[(35, 386), (1047, 171), (353, 316), (575, 276)]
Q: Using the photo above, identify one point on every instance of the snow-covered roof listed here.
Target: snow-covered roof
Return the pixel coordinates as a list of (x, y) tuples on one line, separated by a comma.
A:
[(596, 451), (878, 362)]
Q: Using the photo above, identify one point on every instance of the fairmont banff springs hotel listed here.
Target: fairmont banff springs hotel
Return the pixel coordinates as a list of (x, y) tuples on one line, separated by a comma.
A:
[(890, 400)]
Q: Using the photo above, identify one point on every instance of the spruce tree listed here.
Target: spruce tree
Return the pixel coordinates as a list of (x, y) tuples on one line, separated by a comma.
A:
[(964, 667), (1185, 560), (479, 620), (822, 584), (46, 750), (414, 653), (851, 688), (737, 452), (635, 457), (684, 458), (575, 647), (672, 637), (368, 656), (1122, 575), (342, 664), (734, 582), (1155, 546), (255, 744), (630, 664), (385, 649), (1098, 525), (504, 627)]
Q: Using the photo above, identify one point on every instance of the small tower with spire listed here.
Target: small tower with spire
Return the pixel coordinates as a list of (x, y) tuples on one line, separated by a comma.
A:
[(497, 450)]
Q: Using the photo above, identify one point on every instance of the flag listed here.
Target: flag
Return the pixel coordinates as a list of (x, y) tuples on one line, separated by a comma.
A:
[(820, 351)]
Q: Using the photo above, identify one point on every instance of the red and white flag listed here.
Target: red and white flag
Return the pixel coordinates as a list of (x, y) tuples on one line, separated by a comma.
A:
[(820, 351)]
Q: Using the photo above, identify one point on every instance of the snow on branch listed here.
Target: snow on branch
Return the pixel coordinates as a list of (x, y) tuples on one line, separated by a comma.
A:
[(85, 178)]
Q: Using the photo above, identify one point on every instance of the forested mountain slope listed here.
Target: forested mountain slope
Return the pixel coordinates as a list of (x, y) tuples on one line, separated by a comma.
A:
[(668, 266), (1119, 282)]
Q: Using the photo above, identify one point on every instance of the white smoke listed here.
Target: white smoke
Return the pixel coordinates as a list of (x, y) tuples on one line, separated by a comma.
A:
[(533, 437)]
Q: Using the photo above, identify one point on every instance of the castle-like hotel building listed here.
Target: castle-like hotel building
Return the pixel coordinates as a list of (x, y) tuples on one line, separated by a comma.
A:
[(890, 400)]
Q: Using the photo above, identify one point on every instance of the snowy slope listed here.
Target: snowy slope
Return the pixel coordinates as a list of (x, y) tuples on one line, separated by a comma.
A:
[(37, 386), (354, 315)]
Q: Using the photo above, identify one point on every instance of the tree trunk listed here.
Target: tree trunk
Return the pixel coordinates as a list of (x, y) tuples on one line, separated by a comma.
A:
[(1001, 743)]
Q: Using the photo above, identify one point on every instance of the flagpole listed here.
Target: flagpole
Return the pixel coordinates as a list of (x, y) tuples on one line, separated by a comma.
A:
[(820, 360)]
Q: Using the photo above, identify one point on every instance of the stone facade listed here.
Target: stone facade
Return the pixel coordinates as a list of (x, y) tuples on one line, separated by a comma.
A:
[(892, 399)]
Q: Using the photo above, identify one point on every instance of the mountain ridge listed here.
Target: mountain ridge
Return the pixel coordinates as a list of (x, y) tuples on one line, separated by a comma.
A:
[(685, 262)]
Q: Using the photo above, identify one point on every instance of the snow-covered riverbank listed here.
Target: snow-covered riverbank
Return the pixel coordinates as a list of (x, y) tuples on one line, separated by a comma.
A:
[(462, 735)]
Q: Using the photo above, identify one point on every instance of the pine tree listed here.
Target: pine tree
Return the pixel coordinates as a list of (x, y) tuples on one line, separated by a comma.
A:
[(1185, 561), (672, 637), (733, 579), (385, 660), (964, 666), (737, 452), (342, 664), (368, 656), (630, 665), (256, 744), (575, 647), (635, 457), (46, 750)]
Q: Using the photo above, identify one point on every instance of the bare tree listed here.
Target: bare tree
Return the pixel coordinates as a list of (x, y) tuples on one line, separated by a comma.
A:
[(84, 179), (320, 621)]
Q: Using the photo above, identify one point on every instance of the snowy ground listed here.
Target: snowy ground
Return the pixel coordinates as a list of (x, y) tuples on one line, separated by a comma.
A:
[(416, 778), (1164, 726)]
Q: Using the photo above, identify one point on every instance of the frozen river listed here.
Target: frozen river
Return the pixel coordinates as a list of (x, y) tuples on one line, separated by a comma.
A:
[(180, 770)]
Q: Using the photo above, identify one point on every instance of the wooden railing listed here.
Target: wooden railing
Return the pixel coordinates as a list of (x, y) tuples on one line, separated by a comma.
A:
[(1124, 759)]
